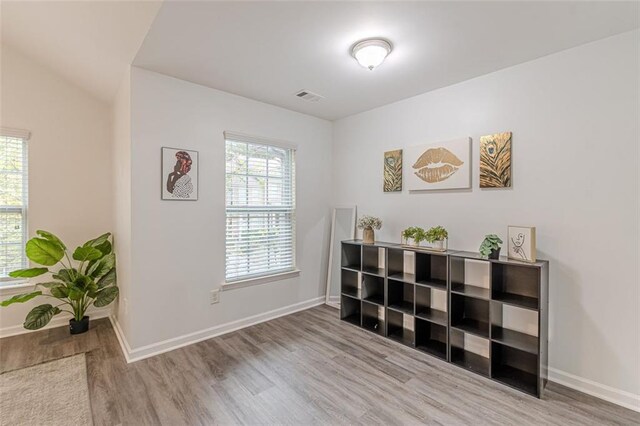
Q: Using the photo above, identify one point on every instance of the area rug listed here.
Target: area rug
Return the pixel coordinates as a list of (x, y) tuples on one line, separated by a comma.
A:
[(53, 393)]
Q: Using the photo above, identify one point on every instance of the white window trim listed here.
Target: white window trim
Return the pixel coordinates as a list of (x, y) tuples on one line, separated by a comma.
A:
[(9, 283), (263, 279), (276, 276)]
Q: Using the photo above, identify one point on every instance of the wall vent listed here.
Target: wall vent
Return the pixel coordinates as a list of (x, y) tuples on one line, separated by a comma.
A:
[(309, 96)]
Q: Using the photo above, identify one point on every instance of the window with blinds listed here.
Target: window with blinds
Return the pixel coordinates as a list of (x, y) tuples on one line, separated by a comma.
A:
[(260, 208), (13, 203)]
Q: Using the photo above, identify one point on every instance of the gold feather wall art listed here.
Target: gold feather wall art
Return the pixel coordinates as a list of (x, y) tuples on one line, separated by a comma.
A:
[(393, 171), (495, 160), (439, 166)]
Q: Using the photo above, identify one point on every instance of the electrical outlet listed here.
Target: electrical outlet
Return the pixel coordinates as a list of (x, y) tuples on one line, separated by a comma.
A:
[(214, 296)]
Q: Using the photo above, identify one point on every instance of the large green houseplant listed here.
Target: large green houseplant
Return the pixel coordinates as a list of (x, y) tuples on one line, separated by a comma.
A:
[(91, 280)]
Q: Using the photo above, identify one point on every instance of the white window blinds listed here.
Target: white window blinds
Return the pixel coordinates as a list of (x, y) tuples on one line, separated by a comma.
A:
[(260, 208), (13, 201)]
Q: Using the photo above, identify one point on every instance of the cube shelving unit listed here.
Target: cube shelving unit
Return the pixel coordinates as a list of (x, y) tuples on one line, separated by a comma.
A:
[(430, 305)]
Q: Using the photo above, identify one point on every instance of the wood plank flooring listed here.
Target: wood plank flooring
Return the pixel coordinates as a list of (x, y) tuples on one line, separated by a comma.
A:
[(302, 369)]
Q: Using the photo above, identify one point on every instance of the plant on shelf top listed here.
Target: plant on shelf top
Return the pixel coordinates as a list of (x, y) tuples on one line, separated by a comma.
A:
[(437, 233), (491, 242), (369, 222), (409, 232), (91, 281), (419, 236)]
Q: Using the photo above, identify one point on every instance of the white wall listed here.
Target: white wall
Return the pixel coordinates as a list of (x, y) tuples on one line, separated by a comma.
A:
[(121, 211), (574, 117), (69, 158), (178, 247)]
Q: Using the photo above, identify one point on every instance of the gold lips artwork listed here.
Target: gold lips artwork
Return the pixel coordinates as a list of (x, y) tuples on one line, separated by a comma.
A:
[(436, 165)]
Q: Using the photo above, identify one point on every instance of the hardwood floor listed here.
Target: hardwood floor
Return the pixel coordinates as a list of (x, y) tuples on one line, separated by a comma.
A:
[(305, 368)]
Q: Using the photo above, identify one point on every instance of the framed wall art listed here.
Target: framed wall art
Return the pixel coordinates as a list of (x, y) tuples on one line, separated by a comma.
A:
[(393, 171), (522, 243), (495, 160), (179, 174), (439, 166)]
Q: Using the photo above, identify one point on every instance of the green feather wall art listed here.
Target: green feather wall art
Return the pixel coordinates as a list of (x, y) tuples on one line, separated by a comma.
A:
[(495, 161), (393, 171)]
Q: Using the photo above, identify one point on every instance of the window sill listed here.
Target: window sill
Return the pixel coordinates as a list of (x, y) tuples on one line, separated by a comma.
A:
[(10, 286), (260, 280)]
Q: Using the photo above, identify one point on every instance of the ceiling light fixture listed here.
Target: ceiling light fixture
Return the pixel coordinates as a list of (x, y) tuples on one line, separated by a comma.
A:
[(371, 52)]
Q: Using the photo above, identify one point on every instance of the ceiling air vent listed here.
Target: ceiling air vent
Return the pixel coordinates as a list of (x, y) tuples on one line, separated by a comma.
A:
[(309, 96)]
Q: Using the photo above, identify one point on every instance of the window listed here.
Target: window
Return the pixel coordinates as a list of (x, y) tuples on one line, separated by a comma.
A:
[(13, 201), (260, 208)]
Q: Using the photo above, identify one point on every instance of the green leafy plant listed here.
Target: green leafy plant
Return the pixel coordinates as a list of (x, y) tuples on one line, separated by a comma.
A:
[(419, 236), (437, 233), (409, 232), (490, 243), (91, 281)]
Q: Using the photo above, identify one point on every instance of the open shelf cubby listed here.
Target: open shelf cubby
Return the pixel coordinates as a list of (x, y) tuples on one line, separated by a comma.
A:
[(373, 318), (431, 338), (463, 356), (488, 316), (425, 308), (395, 266), (400, 296), (400, 327), (504, 333), (350, 283), (515, 284), (514, 367), (470, 315), (350, 309), (351, 256), (370, 261), (431, 270), (459, 284), (373, 289)]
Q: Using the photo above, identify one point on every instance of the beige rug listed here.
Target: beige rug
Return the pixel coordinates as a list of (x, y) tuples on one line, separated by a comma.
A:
[(53, 393)]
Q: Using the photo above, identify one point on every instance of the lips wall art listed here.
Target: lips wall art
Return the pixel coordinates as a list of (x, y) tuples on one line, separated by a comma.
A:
[(438, 166)]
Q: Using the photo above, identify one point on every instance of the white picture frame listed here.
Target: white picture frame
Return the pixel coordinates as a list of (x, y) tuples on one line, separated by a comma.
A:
[(179, 174), (521, 243), (442, 165)]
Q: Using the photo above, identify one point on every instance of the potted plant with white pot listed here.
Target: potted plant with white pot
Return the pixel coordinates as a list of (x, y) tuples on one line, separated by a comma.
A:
[(75, 286), (437, 237), (368, 224)]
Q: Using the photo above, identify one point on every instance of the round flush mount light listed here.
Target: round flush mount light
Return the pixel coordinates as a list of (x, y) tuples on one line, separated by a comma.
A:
[(371, 52)]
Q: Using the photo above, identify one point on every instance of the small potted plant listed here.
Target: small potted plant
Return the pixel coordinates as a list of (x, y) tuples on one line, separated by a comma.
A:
[(408, 234), (437, 236), (419, 236), (91, 280), (490, 247), (368, 224)]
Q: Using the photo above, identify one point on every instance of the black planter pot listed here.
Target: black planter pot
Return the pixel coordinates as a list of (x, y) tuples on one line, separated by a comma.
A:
[(78, 327), (495, 254)]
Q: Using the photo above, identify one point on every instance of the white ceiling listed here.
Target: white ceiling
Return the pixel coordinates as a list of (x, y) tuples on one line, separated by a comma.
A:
[(90, 43), (269, 50)]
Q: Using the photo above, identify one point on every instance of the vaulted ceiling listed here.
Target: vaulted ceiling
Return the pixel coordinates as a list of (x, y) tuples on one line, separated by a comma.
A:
[(270, 50)]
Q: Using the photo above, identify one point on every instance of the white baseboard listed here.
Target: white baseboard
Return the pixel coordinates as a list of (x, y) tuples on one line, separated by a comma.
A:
[(137, 354), (607, 393), (57, 321)]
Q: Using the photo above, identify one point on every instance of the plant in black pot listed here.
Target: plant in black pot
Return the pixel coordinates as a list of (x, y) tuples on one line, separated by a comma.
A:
[(91, 280), (490, 247)]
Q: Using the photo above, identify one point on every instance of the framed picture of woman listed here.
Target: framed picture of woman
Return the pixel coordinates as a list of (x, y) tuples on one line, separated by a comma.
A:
[(179, 174)]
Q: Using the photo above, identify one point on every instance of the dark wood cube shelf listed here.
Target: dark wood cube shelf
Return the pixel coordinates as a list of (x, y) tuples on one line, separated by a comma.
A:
[(400, 296), (397, 328), (431, 338), (373, 289), (373, 318), (472, 330)]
